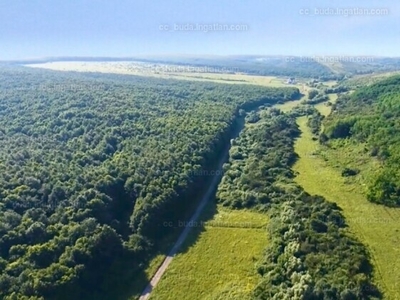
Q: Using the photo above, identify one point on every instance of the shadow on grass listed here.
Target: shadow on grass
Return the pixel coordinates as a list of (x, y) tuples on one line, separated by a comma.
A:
[(141, 280), (197, 227)]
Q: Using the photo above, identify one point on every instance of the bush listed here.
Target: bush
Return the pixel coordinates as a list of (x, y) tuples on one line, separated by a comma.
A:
[(350, 172)]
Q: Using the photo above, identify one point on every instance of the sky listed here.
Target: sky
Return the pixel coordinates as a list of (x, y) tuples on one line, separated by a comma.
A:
[(42, 28)]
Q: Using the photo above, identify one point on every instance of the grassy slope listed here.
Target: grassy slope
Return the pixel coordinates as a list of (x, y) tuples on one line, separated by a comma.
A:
[(217, 258), (369, 79), (378, 227)]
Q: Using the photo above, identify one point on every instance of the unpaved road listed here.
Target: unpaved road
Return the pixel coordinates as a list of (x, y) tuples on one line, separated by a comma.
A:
[(211, 188)]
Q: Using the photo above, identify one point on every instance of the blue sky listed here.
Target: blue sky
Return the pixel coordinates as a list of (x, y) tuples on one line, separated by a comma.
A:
[(40, 28)]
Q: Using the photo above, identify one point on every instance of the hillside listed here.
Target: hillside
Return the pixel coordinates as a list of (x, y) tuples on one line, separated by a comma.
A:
[(371, 117)]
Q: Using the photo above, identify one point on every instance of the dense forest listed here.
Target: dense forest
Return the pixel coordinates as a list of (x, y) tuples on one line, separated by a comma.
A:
[(92, 165), (311, 254), (371, 116)]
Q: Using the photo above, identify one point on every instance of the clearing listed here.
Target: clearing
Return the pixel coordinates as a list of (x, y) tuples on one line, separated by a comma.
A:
[(218, 259), (377, 226)]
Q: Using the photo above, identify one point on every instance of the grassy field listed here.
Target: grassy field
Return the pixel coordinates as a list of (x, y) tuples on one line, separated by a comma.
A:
[(218, 259), (326, 109), (288, 106), (166, 71), (378, 227), (369, 79), (322, 107)]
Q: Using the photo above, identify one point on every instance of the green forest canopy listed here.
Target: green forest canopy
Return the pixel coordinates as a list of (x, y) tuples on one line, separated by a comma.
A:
[(310, 255), (92, 165)]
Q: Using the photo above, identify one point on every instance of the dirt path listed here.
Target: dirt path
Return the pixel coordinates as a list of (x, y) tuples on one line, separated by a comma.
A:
[(211, 188)]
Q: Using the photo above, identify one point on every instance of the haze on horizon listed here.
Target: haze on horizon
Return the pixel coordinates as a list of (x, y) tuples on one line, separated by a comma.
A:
[(46, 28)]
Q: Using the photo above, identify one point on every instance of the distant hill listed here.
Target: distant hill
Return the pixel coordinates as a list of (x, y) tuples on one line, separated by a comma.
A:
[(322, 67)]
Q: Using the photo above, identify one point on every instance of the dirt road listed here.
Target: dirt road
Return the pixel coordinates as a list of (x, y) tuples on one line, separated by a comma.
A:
[(211, 188)]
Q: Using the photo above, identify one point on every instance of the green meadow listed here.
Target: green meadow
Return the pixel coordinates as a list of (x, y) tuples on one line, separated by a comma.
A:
[(218, 259), (378, 227)]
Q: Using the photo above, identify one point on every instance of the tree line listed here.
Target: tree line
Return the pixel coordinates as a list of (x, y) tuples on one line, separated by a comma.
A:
[(310, 253)]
